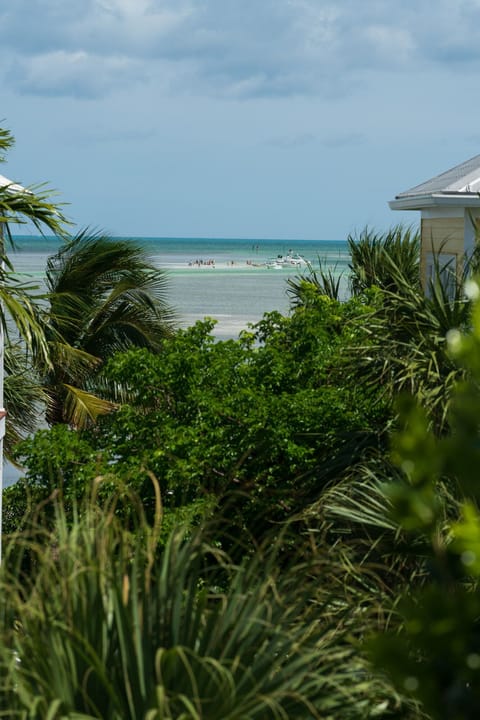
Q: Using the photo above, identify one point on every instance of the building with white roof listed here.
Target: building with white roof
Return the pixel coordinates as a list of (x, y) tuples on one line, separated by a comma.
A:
[(450, 215)]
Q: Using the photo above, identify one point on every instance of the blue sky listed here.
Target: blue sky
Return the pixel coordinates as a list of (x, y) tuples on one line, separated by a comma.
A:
[(238, 118)]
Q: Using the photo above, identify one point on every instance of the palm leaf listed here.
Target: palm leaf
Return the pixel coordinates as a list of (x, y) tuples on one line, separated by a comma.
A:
[(22, 315), (70, 361), (23, 395), (82, 408), (33, 206)]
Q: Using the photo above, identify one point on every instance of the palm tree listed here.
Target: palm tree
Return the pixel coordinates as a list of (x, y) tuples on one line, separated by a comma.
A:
[(22, 206), (406, 330), (19, 312), (103, 296)]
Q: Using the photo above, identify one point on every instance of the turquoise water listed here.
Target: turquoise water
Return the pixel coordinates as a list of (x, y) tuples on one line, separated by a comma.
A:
[(178, 253), (226, 279)]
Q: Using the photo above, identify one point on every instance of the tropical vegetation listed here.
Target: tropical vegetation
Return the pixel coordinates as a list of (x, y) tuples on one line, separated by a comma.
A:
[(280, 526)]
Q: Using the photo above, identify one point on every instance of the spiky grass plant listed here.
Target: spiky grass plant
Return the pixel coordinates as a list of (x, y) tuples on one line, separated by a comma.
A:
[(380, 258), (407, 351), (108, 626), (302, 289)]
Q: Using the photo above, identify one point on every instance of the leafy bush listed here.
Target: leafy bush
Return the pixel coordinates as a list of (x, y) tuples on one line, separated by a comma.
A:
[(271, 417)]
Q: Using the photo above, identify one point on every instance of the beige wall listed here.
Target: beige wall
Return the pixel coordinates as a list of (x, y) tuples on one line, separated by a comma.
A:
[(444, 235)]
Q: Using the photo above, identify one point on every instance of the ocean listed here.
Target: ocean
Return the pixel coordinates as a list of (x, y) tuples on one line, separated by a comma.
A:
[(234, 281)]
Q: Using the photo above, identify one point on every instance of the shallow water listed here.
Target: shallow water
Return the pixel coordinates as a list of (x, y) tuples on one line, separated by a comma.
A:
[(236, 288)]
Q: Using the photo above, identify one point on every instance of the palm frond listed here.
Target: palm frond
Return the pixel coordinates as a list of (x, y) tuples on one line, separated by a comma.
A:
[(7, 141), (24, 397), (33, 206), (20, 314), (360, 499), (69, 361), (83, 408), (407, 347)]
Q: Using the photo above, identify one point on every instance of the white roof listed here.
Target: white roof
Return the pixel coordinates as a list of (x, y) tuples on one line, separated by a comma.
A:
[(458, 186), (14, 187)]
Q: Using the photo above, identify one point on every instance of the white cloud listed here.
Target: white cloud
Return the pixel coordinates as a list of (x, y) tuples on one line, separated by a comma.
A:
[(236, 48), (78, 74), (132, 27)]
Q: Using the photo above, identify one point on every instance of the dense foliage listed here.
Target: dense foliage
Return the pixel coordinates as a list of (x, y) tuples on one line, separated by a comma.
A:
[(270, 418)]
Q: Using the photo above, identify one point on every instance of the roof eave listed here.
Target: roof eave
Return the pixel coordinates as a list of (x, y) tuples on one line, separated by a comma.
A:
[(420, 202), (11, 186)]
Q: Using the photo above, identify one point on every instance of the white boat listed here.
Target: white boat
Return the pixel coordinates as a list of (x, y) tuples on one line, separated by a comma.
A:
[(274, 264), (290, 260)]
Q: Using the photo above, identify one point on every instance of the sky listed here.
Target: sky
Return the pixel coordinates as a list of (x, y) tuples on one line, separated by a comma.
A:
[(295, 119)]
